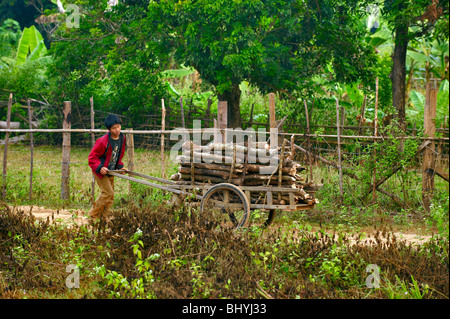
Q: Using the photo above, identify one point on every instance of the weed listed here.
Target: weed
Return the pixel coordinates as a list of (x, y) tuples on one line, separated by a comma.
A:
[(135, 288), (438, 217), (403, 290), (200, 288)]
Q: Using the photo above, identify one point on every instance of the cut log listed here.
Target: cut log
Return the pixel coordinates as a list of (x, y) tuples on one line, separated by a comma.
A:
[(251, 168), (228, 160), (210, 158), (250, 180), (229, 148), (184, 160), (218, 167), (212, 172)]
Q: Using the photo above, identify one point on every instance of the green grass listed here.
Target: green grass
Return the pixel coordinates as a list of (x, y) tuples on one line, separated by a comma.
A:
[(47, 176)]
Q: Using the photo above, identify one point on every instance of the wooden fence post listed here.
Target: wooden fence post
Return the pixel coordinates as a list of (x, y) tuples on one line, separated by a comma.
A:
[(91, 101), (272, 121), (65, 168), (167, 106), (308, 131), (375, 120), (341, 192), (5, 154), (216, 133), (130, 151), (375, 125), (182, 113), (31, 148), (222, 119), (163, 128), (428, 164)]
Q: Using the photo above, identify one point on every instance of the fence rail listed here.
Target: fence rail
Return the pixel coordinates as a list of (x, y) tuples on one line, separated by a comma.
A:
[(168, 132)]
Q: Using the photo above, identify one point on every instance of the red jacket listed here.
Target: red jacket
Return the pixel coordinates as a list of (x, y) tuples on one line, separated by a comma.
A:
[(100, 154)]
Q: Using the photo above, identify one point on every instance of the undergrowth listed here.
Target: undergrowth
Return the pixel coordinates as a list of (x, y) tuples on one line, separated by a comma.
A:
[(174, 252)]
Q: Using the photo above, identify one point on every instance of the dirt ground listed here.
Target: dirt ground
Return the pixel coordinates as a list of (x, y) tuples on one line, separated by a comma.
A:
[(80, 218), (409, 238), (55, 216)]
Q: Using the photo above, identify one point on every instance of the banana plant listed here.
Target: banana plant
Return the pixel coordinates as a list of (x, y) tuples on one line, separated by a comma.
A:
[(427, 59), (430, 56), (31, 47), (417, 100), (23, 70)]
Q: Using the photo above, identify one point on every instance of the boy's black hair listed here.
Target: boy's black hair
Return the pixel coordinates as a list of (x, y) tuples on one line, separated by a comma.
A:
[(111, 120)]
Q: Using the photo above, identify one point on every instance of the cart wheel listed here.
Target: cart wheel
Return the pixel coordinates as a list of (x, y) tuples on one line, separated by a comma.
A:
[(229, 203)]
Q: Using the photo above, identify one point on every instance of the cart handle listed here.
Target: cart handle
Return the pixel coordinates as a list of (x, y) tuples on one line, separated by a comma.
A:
[(162, 187)]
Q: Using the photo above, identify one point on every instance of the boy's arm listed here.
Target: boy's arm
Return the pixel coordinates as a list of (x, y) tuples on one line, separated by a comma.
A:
[(94, 156)]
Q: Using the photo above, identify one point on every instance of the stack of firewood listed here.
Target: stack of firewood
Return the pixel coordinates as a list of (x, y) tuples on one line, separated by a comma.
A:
[(252, 164)]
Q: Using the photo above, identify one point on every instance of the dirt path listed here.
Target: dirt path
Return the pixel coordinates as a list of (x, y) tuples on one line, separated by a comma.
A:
[(54, 215), (408, 238), (366, 236), (413, 238)]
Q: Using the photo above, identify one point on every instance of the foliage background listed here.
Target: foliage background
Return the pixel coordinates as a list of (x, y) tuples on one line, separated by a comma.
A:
[(303, 50)]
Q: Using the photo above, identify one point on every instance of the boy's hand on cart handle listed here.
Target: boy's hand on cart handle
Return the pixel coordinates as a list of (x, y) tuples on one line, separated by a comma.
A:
[(124, 170), (104, 171)]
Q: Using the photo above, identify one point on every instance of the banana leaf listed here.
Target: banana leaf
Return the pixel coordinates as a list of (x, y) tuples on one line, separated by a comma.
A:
[(418, 100), (31, 46)]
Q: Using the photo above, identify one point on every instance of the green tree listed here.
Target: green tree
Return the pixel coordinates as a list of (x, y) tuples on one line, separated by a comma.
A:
[(410, 20), (9, 38), (108, 57), (274, 44)]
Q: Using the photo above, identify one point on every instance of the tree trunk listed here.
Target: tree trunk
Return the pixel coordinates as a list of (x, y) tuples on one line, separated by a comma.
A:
[(398, 74), (233, 97)]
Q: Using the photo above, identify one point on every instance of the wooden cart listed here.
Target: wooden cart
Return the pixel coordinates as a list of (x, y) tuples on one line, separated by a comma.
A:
[(231, 202)]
